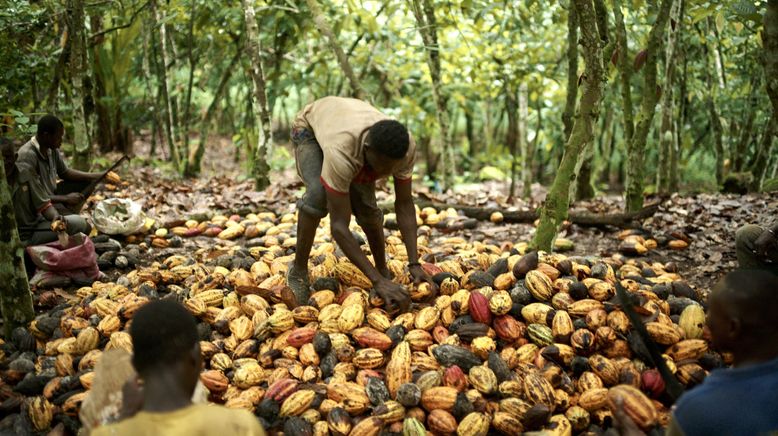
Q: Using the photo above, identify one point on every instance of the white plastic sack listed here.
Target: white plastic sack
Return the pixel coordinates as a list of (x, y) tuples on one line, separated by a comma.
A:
[(118, 216)]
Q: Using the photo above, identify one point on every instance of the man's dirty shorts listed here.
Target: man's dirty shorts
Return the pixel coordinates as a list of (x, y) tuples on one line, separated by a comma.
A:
[(309, 158)]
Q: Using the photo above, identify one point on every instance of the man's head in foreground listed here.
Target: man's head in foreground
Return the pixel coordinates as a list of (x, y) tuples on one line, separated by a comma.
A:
[(743, 314), (386, 145), (165, 344), (50, 132)]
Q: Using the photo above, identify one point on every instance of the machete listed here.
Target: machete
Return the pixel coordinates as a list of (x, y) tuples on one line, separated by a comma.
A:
[(672, 385), (91, 187)]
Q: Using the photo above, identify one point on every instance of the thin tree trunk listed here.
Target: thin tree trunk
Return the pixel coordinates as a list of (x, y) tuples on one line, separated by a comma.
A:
[(762, 156), (741, 147), (637, 144), (194, 162), (190, 83), (555, 207), (52, 96), (625, 72), (15, 298), (77, 68), (324, 27), (512, 133), (523, 146), (170, 124), (715, 123), (261, 167), (425, 18), (680, 119), (528, 153), (572, 70), (666, 133)]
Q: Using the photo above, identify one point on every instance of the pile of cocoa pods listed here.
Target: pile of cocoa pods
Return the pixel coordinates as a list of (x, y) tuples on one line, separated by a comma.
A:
[(513, 342)]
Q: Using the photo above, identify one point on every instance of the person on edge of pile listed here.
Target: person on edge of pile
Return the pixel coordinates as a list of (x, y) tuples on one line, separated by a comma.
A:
[(166, 355), (38, 198), (342, 146), (757, 246), (740, 400)]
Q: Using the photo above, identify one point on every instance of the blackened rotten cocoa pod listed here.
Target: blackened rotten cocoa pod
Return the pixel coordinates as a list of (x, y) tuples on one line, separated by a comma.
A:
[(321, 343), (527, 263), (448, 355), (377, 391), (296, 426), (499, 367), (468, 332), (409, 395)]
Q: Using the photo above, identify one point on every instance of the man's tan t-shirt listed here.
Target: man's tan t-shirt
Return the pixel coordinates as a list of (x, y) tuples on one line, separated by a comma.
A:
[(340, 126), (195, 420)]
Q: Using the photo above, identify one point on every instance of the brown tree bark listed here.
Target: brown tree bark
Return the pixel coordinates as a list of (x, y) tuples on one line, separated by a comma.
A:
[(162, 77), (77, 67), (666, 131), (572, 70)]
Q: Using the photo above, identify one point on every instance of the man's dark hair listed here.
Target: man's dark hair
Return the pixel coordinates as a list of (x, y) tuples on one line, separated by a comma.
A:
[(390, 138), (49, 124), (162, 332), (753, 294)]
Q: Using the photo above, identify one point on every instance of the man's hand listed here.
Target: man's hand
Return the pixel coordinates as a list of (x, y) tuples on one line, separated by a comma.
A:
[(419, 275), (73, 198), (396, 297), (765, 243)]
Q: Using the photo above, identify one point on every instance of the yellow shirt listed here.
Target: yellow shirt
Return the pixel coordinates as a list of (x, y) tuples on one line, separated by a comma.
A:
[(340, 126), (195, 420)]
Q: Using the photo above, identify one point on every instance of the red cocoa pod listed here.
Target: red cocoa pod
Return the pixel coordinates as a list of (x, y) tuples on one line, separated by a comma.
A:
[(454, 377), (368, 337), (431, 269), (507, 328), (301, 336), (652, 382), (281, 389), (479, 308), (215, 381)]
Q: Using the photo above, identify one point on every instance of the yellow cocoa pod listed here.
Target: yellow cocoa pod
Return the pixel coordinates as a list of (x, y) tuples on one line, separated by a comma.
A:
[(636, 405), (474, 424), (297, 403), (692, 321)]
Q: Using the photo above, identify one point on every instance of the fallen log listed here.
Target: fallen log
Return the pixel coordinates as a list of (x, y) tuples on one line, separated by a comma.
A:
[(621, 219)]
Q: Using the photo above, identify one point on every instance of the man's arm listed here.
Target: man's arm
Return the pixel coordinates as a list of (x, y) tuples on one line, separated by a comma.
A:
[(406, 221), (80, 176), (396, 297), (406, 217), (340, 215)]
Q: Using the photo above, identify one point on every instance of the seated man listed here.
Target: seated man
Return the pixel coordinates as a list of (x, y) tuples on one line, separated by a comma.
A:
[(740, 400), (757, 247), (342, 146), (38, 198), (168, 361)]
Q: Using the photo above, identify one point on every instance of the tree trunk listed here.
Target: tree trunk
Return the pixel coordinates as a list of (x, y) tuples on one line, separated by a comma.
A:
[(261, 167), (15, 298), (572, 70), (77, 66), (324, 27), (762, 156), (523, 146), (624, 63), (666, 132), (715, 123), (52, 96), (528, 152), (741, 147), (512, 133), (170, 124), (425, 18), (555, 207), (190, 83), (194, 162), (637, 144)]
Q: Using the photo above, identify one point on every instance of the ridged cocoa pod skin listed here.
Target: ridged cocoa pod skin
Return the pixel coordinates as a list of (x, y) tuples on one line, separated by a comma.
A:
[(483, 379), (538, 390), (507, 424), (593, 399), (635, 403), (413, 427), (398, 370), (295, 426), (441, 422), (454, 377), (368, 427), (479, 308), (442, 397), (539, 285), (474, 424), (390, 412), (448, 355), (605, 369), (578, 417), (339, 421)]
